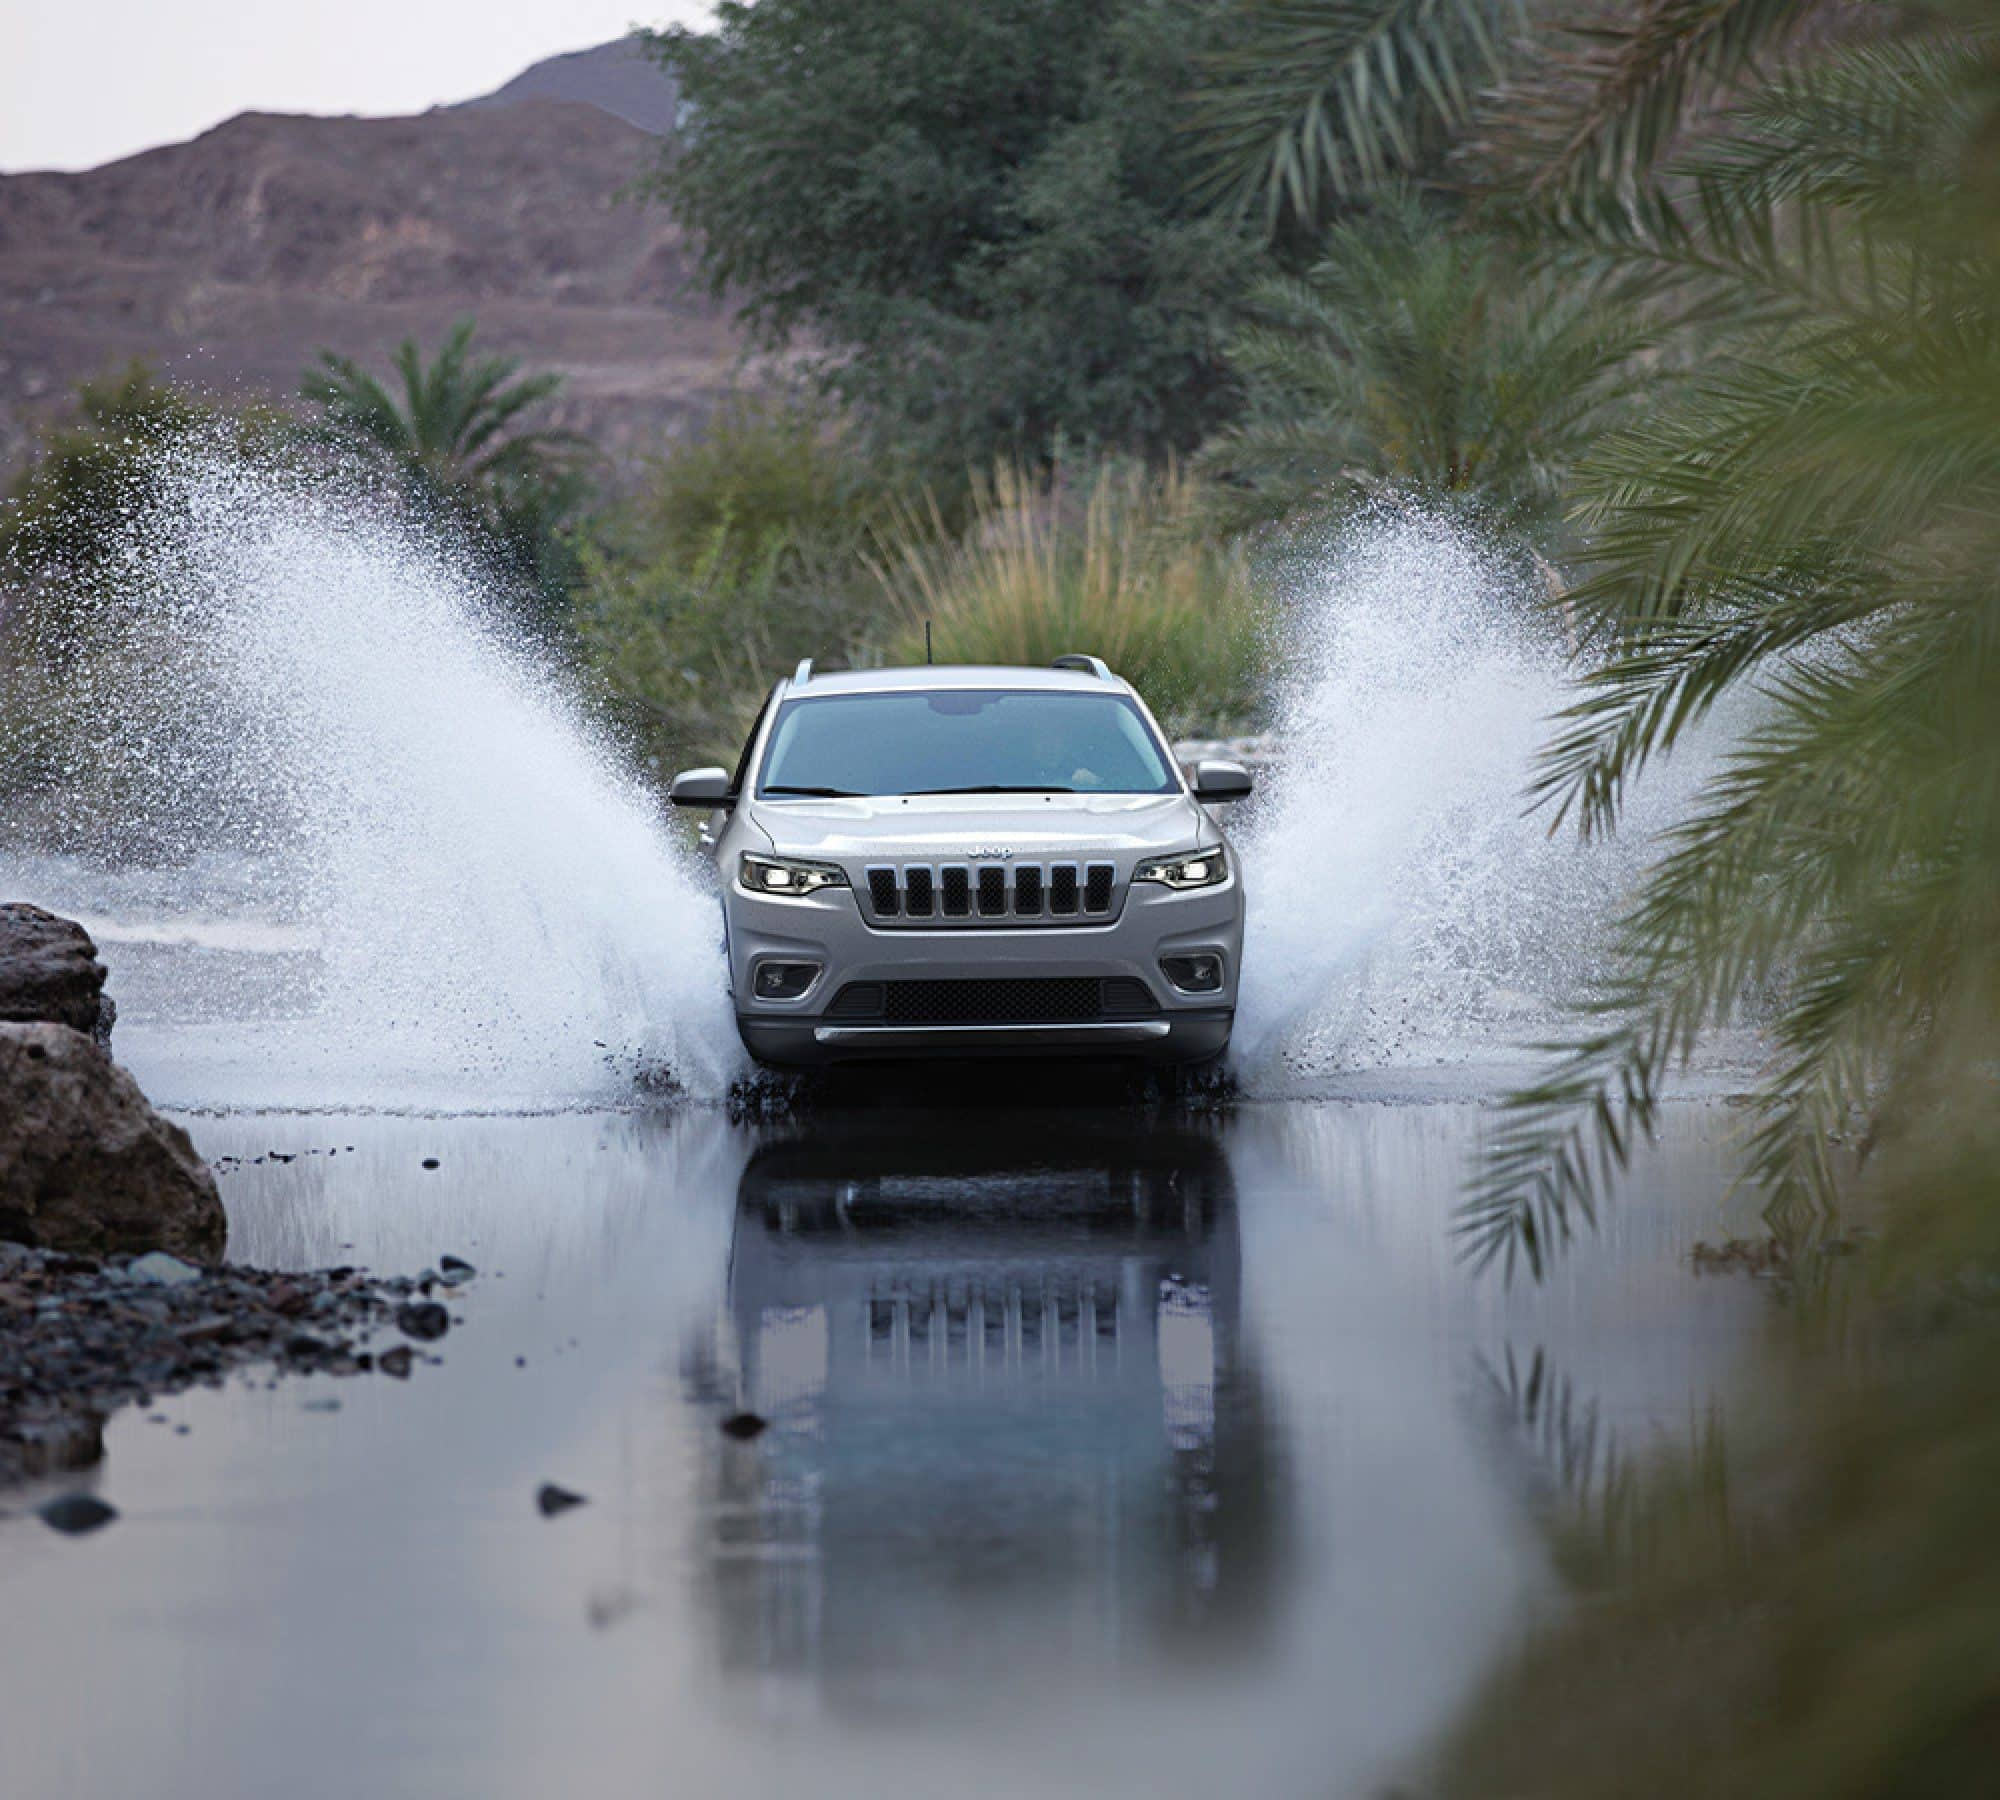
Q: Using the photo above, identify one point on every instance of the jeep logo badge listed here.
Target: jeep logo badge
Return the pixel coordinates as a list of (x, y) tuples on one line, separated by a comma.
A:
[(989, 853)]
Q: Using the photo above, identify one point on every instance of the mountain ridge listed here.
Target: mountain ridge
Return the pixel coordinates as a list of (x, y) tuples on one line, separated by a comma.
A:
[(230, 260)]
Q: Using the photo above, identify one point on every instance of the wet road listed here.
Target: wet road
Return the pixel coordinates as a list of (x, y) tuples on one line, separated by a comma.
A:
[(1109, 1450)]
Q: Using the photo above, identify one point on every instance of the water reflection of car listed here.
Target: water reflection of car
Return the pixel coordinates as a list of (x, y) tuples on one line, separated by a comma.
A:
[(972, 862), (1011, 1412)]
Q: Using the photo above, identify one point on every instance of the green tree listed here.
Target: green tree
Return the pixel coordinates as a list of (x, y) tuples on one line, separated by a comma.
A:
[(1417, 356), (453, 440), (975, 211)]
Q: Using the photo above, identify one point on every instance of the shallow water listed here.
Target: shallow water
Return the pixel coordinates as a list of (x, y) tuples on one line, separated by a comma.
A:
[(1109, 1450)]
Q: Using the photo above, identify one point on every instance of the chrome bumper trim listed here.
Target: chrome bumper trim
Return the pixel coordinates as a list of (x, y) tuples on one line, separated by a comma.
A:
[(1119, 1031)]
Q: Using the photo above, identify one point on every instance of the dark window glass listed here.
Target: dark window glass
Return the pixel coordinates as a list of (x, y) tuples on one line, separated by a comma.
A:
[(957, 741)]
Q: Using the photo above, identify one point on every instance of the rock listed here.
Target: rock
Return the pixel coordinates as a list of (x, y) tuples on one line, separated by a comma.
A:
[(430, 1162), (49, 974), (86, 1165), (423, 1319), (743, 1426), (396, 1362), (550, 1500), (454, 1270), (157, 1266), (74, 1514)]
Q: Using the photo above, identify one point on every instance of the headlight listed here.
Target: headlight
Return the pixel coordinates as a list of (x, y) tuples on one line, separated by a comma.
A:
[(780, 875), (1196, 869)]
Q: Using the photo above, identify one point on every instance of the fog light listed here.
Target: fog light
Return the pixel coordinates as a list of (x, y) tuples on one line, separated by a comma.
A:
[(1193, 974), (784, 980)]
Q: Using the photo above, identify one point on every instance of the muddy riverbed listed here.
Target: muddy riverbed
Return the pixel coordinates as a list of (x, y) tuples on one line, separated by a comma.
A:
[(1106, 1449)]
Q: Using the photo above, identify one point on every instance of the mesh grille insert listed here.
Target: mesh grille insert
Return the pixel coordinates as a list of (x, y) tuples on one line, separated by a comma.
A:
[(957, 891), (882, 893), (1028, 892), (1127, 997), (857, 1000), (920, 894), (1062, 888), (996, 1001), (1097, 889), (992, 890)]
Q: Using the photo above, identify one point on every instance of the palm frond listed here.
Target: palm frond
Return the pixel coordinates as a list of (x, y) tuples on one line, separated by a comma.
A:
[(1317, 99)]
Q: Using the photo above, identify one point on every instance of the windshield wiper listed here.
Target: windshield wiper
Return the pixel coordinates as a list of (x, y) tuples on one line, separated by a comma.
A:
[(813, 793), (991, 788)]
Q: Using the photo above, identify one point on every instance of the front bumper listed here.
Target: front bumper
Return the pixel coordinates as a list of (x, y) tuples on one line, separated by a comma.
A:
[(827, 929)]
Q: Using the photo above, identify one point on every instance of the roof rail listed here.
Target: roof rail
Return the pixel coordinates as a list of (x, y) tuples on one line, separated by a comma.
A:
[(1090, 665), (803, 673)]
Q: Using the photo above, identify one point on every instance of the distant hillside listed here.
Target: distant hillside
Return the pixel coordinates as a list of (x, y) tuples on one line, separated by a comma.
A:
[(619, 77), (229, 261)]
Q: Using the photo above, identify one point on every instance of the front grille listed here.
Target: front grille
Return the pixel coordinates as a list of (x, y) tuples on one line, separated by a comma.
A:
[(995, 1000), (1063, 892)]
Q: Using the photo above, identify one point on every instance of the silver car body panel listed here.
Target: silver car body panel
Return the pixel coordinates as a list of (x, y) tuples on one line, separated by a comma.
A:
[(855, 943)]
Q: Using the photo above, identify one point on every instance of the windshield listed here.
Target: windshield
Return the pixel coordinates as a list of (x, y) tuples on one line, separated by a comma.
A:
[(966, 741)]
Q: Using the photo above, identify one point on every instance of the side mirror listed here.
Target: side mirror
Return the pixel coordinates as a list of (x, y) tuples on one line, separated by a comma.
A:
[(700, 787), (1215, 782)]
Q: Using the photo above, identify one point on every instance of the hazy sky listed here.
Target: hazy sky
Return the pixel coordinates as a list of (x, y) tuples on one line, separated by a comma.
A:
[(84, 81)]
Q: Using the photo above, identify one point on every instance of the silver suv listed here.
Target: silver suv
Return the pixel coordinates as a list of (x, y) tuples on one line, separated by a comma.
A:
[(972, 861)]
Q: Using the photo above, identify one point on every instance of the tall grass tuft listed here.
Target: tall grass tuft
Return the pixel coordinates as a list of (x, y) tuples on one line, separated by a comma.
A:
[(1121, 566)]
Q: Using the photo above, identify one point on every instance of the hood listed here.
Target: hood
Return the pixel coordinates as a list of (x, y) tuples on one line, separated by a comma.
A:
[(951, 827)]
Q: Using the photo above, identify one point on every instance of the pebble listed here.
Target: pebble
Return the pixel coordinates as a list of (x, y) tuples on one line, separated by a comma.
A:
[(425, 1320), (158, 1266), (75, 1514), (743, 1426), (550, 1500), (396, 1362)]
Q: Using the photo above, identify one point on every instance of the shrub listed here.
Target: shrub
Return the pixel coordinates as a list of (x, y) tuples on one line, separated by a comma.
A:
[(1120, 566)]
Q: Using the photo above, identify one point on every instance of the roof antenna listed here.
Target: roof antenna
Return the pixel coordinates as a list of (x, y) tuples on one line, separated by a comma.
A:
[(927, 642)]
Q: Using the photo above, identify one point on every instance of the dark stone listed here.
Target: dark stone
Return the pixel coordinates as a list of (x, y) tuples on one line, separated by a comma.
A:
[(86, 1165), (49, 973), (430, 1162), (743, 1426), (423, 1319), (550, 1500), (396, 1362), (74, 1514)]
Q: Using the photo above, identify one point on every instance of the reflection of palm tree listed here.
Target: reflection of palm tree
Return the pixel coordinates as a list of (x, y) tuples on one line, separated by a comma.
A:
[(452, 441)]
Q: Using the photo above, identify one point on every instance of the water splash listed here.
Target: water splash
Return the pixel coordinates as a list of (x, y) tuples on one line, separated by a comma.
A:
[(489, 914), (1404, 911)]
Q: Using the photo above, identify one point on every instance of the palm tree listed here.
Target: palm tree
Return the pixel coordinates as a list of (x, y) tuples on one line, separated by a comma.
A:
[(451, 439), (1817, 518), (1416, 357)]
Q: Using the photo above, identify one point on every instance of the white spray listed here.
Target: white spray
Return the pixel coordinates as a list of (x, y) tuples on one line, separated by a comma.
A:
[(499, 916), (1405, 910)]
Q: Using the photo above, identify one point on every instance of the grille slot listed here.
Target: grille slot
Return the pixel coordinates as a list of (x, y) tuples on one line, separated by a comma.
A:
[(992, 891), (882, 893), (857, 1000), (920, 894), (957, 886), (1028, 892), (1062, 889), (1097, 888)]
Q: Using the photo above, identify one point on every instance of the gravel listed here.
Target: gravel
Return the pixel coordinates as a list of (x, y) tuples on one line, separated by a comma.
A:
[(81, 1337)]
